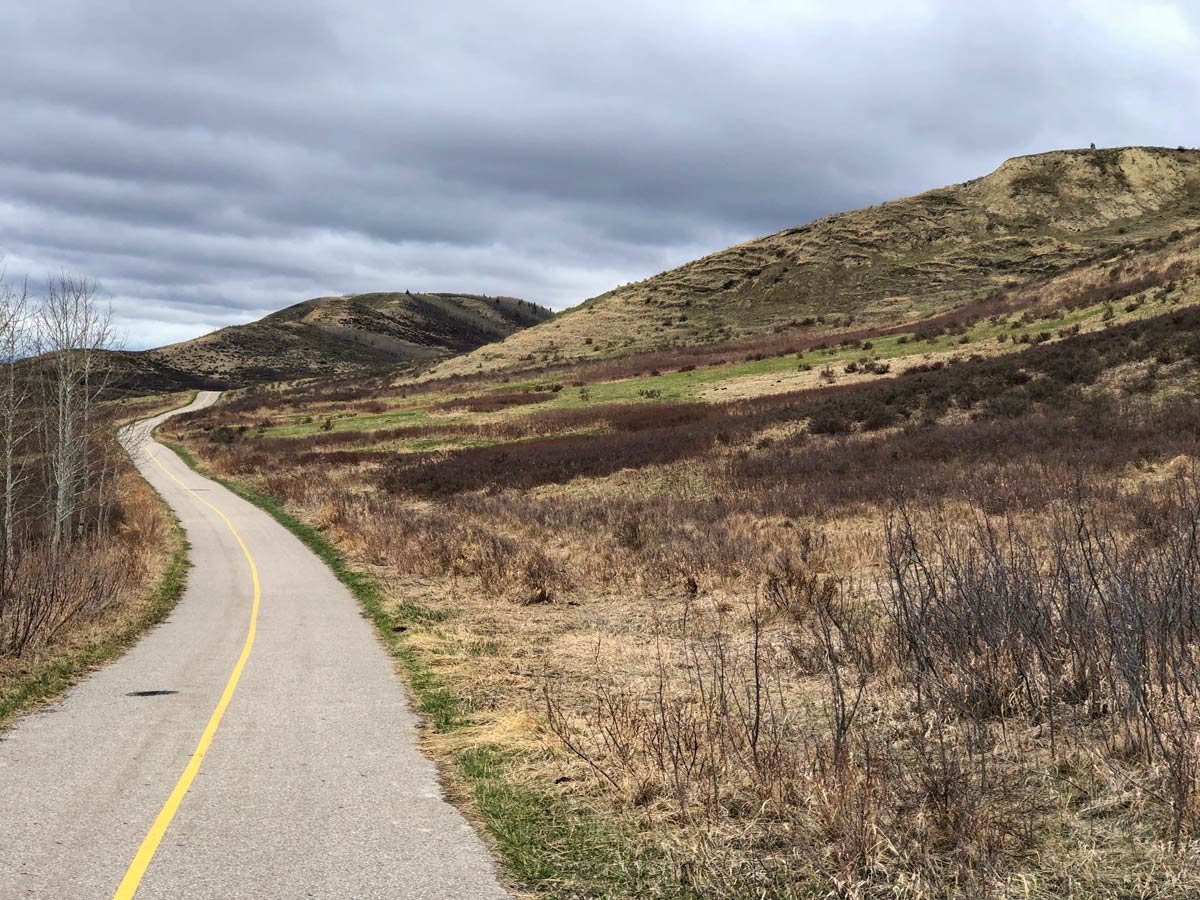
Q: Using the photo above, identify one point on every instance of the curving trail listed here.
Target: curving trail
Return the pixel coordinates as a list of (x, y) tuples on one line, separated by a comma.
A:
[(285, 765)]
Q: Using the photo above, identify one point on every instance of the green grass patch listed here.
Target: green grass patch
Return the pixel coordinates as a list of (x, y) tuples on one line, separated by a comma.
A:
[(448, 443), (558, 849), (408, 415), (685, 386)]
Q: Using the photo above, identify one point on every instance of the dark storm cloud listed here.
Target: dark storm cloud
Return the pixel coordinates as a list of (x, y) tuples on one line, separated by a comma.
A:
[(209, 163)]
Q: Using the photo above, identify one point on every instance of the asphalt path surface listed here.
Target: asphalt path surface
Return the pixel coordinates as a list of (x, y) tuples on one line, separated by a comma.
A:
[(283, 762)]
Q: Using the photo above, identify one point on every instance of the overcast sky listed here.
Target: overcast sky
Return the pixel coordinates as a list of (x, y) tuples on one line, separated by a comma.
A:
[(211, 162)]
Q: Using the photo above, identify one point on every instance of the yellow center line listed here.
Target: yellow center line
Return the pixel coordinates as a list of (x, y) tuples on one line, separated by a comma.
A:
[(137, 869)]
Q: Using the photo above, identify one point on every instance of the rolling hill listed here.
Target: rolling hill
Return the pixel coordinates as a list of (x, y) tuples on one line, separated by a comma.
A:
[(329, 336), (951, 547), (1032, 218)]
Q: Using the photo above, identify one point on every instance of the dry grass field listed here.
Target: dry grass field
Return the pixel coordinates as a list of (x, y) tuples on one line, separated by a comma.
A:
[(900, 608)]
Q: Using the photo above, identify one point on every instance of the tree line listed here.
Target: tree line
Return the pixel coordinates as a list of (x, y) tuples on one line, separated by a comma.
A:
[(58, 457)]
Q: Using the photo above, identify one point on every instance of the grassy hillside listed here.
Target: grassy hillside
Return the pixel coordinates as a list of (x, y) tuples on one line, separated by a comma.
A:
[(797, 615), (329, 336), (140, 374), (905, 605), (1033, 217)]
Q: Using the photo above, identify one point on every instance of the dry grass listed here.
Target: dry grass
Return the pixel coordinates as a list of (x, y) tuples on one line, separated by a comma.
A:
[(95, 588), (874, 575), (690, 620)]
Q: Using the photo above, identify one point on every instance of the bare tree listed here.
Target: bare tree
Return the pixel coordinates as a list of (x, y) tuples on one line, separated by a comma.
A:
[(57, 462), (74, 332), (17, 422)]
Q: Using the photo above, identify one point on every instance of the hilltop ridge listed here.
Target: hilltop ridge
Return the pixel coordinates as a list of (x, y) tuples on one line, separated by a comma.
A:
[(1032, 217), (330, 336)]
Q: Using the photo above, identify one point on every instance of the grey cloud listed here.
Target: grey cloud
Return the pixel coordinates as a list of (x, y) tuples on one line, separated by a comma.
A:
[(209, 163)]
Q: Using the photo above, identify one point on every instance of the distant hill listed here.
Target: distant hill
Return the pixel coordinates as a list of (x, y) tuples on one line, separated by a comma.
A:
[(329, 336), (1033, 217)]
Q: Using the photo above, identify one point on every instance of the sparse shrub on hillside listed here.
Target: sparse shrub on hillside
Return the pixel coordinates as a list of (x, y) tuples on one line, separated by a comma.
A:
[(1107, 634), (553, 460), (491, 401), (989, 650), (628, 532)]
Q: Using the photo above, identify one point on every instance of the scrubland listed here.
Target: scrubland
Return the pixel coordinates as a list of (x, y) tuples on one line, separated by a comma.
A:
[(906, 610)]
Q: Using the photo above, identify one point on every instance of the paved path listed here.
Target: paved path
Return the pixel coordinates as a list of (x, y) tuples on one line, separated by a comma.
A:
[(312, 785)]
